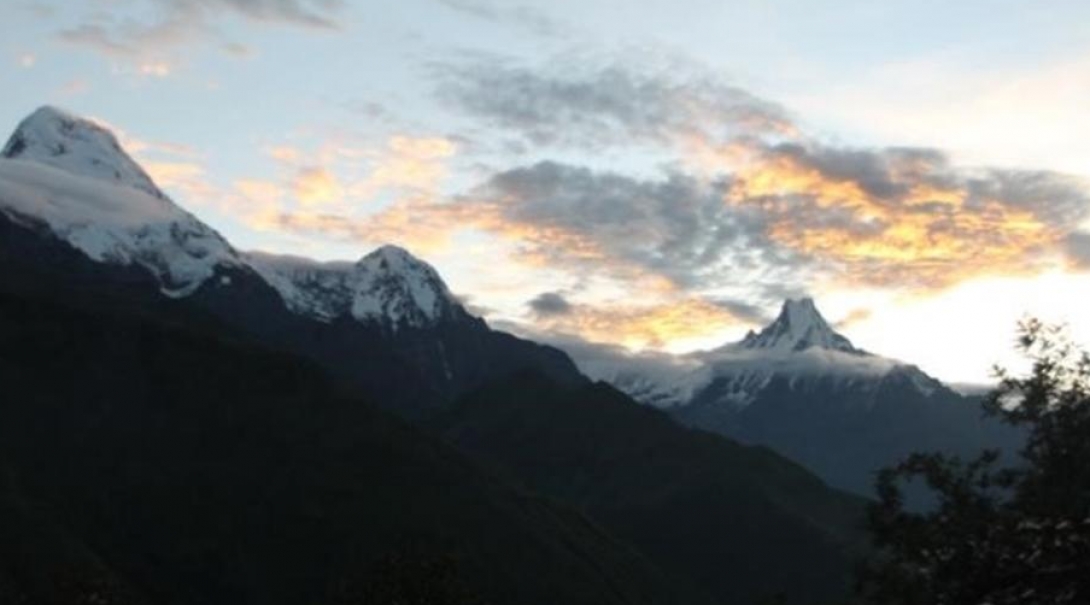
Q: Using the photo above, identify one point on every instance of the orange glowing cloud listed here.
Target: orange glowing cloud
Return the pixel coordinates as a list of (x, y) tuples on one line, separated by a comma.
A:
[(929, 229), (652, 325)]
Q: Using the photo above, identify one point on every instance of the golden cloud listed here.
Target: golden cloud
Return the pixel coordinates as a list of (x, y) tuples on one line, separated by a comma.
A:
[(645, 326), (914, 226), (315, 185), (408, 163)]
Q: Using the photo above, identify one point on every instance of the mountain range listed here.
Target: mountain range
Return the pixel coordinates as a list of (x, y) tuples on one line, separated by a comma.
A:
[(189, 423)]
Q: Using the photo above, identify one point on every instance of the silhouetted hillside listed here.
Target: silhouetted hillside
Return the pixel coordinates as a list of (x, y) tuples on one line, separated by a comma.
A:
[(741, 521), (176, 467)]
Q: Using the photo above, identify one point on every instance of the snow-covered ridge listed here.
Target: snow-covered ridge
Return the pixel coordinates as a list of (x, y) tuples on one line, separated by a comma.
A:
[(389, 285)]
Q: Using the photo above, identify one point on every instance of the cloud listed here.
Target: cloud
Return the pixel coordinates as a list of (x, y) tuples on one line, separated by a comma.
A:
[(747, 311), (678, 228), (579, 104), (174, 175), (315, 185), (1077, 249), (853, 317), (653, 325), (320, 14), (549, 304), (610, 362), (27, 60), (408, 163), (906, 217), (792, 217), (422, 225), (155, 44), (524, 17), (753, 199), (760, 212), (176, 168), (344, 179)]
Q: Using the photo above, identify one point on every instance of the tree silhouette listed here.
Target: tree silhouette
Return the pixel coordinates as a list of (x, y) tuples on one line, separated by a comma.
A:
[(999, 534)]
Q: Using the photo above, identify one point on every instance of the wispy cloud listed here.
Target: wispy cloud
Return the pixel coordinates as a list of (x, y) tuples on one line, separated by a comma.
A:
[(1077, 248), (498, 11), (585, 105), (154, 44)]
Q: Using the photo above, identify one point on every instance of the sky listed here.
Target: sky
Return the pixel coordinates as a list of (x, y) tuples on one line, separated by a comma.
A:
[(646, 175)]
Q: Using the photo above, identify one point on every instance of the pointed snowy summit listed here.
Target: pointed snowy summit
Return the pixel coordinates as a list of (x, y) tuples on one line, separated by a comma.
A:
[(78, 146), (799, 327), (71, 177)]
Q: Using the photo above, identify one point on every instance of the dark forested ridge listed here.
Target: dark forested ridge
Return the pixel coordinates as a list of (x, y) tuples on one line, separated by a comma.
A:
[(742, 521), (161, 465)]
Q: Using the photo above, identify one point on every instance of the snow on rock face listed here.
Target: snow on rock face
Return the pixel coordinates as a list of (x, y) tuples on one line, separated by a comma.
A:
[(77, 146), (396, 285), (72, 177), (388, 286), (113, 224)]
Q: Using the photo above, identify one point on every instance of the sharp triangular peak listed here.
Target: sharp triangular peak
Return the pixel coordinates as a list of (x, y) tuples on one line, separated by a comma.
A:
[(79, 146), (798, 327)]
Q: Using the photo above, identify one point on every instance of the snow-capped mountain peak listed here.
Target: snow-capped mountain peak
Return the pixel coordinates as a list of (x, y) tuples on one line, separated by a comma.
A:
[(799, 326), (395, 284), (799, 346), (78, 146), (69, 176), (388, 286)]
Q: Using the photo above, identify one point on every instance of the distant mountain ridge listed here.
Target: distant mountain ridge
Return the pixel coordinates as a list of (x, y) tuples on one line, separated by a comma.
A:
[(805, 390)]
